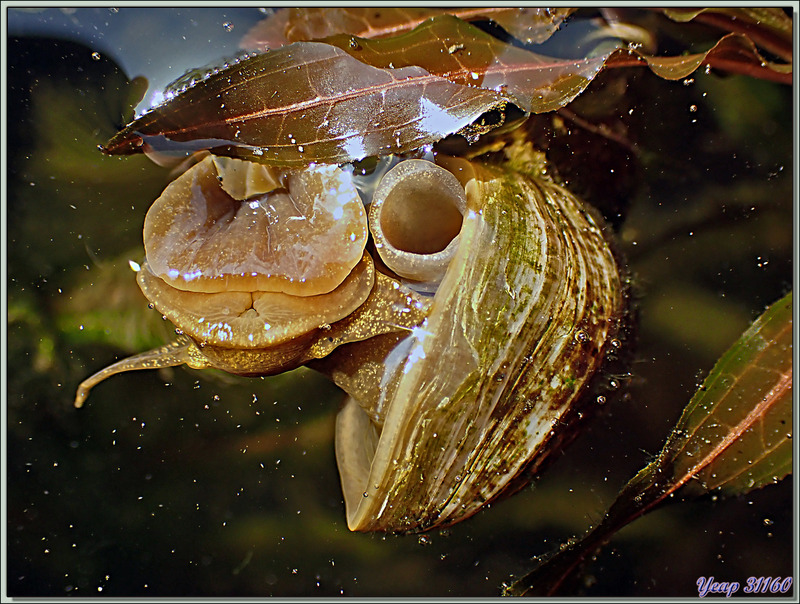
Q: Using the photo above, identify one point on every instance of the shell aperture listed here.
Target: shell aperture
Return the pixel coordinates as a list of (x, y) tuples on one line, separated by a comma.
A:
[(415, 217)]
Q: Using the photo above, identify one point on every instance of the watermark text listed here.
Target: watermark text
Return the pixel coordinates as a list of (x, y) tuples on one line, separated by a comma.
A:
[(754, 585)]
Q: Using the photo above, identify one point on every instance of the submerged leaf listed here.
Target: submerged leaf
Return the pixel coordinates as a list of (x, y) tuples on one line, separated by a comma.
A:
[(307, 102), (62, 103), (352, 98), (347, 98), (769, 27), (735, 53), (453, 49), (530, 25), (733, 436), (313, 23), (104, 306)]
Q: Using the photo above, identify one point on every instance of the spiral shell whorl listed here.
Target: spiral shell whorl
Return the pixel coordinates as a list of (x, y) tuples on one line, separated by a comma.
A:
[(518, 327)]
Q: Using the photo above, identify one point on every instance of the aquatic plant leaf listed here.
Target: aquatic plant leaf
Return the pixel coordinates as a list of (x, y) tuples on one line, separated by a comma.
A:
[(530, 25), (454, 49), (349, 98), (769, 27), (313, 23), (307, 102), (733, 436), (734, 53)]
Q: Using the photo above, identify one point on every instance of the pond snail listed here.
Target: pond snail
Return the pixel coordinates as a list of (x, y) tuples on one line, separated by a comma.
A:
[(466, 306), (465, 312)]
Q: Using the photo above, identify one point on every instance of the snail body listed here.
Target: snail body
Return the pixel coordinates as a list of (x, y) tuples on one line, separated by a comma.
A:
[(465, 356)]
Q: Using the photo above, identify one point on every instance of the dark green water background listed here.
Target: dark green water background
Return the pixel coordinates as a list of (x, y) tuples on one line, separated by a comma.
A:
[(182, 483)]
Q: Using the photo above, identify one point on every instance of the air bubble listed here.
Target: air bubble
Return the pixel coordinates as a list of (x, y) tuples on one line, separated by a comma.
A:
[(96, 56)]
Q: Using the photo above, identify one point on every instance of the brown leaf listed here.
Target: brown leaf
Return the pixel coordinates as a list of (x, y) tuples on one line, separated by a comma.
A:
[(768, 27), (307, 102), (348, 98), (735, 53), (453, 49), (530, 25), (351, 98)]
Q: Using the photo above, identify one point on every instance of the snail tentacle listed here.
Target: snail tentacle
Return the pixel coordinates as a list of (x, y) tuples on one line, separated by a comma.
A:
[(180, 352)]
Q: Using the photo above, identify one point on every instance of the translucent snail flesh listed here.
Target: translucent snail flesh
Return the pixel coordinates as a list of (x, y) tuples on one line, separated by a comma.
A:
[(466, 313)]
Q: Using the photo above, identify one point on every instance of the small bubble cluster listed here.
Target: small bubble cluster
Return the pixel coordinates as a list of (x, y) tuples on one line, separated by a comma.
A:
[(193, 77)]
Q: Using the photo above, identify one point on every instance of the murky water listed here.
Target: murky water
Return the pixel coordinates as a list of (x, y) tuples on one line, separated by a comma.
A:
[(181, 483)]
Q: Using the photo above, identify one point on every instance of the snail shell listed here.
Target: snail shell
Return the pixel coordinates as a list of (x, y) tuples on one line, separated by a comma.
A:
[(465, 313)]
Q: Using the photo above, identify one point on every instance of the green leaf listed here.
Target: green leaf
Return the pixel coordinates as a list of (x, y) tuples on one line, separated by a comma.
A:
[(733, 436), (104, 305), (65, 103)]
